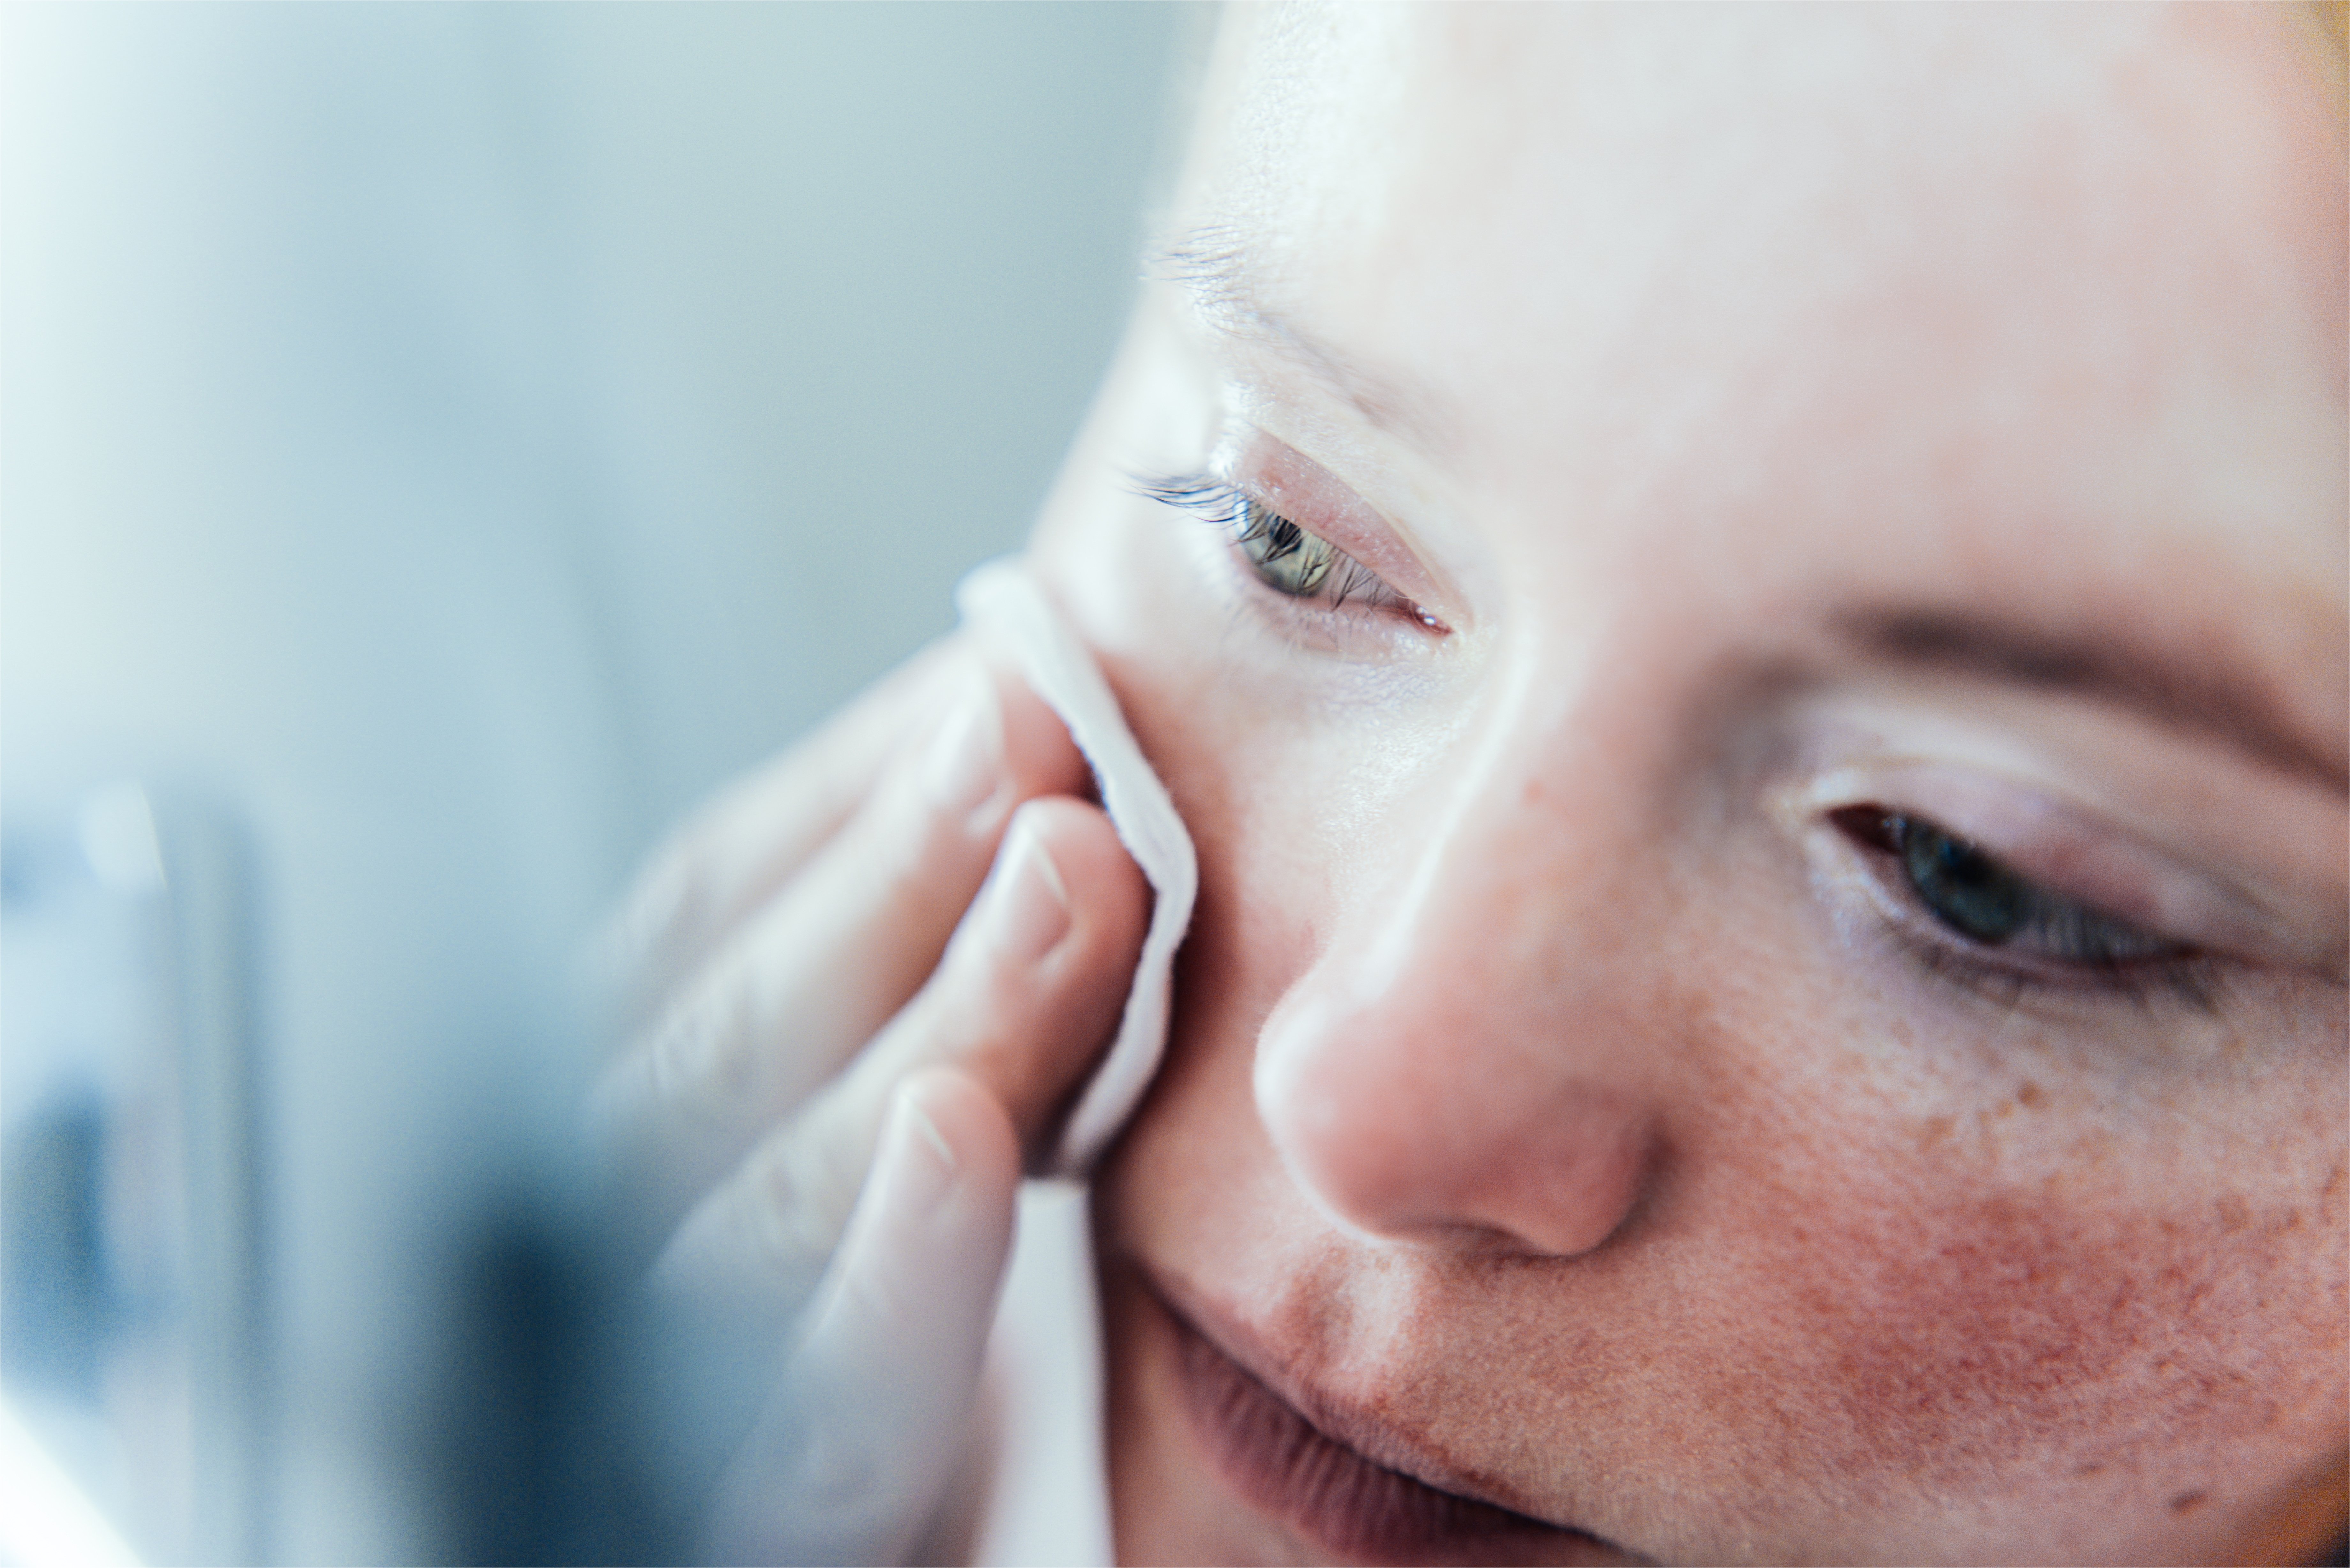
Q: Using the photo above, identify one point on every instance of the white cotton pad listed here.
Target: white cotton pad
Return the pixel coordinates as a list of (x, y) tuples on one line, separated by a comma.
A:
[(1003, 602)]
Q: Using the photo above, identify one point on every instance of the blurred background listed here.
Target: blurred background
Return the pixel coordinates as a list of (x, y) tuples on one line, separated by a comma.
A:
[(438, 444)]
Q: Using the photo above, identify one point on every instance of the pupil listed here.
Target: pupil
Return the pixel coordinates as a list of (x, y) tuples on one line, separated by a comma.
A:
[(1965, 888)]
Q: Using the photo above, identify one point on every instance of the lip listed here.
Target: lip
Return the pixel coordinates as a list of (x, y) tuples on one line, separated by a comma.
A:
[(1332, 1493)]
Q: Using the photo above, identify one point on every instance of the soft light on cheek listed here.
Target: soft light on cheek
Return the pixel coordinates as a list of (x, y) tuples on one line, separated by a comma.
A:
[(1295, 1078), (1292, 1097), (1107, 568)]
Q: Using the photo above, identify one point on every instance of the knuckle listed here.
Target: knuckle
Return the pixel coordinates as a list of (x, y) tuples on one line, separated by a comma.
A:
[(688, 1060), (787, 1223)]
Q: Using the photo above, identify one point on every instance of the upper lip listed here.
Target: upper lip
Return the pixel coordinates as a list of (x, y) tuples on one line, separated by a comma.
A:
[(1367, 1435)]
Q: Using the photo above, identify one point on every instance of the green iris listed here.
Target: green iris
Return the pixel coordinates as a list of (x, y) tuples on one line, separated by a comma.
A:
[(1966, 889), (1285, 556)]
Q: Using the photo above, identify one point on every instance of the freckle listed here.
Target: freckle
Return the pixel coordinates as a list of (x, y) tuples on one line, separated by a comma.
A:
[(2187, 1501), (2029, 1095), (1935, 1130), (2232, 1213), (2090, 1470)]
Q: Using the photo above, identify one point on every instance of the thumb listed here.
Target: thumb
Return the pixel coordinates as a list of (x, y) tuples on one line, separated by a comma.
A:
[(874, 1404)]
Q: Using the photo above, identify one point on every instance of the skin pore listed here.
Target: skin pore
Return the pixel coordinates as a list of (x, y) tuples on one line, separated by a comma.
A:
[(1761, 450)]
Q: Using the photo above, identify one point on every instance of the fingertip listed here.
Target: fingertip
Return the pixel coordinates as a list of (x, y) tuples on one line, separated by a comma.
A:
[(1108, 894), (964, 1127), (1032, 1023)]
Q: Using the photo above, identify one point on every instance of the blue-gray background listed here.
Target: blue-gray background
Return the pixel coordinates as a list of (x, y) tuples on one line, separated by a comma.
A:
[(454, 439)]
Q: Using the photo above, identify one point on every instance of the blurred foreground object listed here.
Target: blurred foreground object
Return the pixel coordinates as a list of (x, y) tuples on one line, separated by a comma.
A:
[(132, 1346), (456, 437)]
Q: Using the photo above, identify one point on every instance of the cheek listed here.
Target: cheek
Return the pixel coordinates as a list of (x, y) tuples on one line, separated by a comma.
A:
[(1277, 812), (1289, 816), (2043, 1312), (1941, 1250), (1950, 1337)]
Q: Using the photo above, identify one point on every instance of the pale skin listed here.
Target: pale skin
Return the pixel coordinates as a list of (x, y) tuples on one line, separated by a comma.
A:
[(1751, 425)]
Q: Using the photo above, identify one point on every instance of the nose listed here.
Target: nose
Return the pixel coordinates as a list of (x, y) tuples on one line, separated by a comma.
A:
[(1474, 1063)]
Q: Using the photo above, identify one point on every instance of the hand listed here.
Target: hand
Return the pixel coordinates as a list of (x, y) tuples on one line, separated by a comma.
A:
[(871, 978)]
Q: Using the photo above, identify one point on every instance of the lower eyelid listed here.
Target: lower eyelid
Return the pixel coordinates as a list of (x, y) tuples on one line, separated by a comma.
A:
[(2191, 978)]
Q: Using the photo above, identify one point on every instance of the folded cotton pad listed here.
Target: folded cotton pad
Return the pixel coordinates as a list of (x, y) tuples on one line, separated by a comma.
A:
[(1003, 602)]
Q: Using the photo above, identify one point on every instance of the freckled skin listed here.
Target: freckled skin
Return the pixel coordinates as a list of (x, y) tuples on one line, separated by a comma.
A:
[(1527, 1095), (1891, 1354)]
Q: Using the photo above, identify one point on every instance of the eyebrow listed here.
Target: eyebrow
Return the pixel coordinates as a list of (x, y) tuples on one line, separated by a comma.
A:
[(2211, 699), (1215, 265)]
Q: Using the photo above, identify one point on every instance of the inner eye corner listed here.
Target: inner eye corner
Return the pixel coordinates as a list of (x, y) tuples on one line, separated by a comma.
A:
[(1870, 826)]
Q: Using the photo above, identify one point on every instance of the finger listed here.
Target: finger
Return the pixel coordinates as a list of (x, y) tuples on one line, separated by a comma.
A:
[(738, 849), (1029, 994), (876, 1399), (835, 954)]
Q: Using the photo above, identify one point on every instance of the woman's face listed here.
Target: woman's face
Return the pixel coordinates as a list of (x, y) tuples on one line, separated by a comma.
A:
[(1769, 775)]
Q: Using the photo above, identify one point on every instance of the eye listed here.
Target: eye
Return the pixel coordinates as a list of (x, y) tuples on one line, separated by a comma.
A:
[(1288, 559), (1971, 893)]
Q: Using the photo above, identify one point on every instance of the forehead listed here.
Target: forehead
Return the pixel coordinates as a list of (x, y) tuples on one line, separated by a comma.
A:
[(2001, 275), (1573, 167)]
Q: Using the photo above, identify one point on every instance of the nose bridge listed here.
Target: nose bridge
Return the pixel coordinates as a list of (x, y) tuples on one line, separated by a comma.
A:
[(1455, 1064), (1519, 869)]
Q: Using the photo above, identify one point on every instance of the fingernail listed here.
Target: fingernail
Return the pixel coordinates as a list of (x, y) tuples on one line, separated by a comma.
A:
[(1027, 911), (925, 1163), (966, 758)]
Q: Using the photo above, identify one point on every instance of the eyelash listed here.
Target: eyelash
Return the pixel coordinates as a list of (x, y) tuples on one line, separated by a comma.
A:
[(2087, 951), (1246, 521)]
